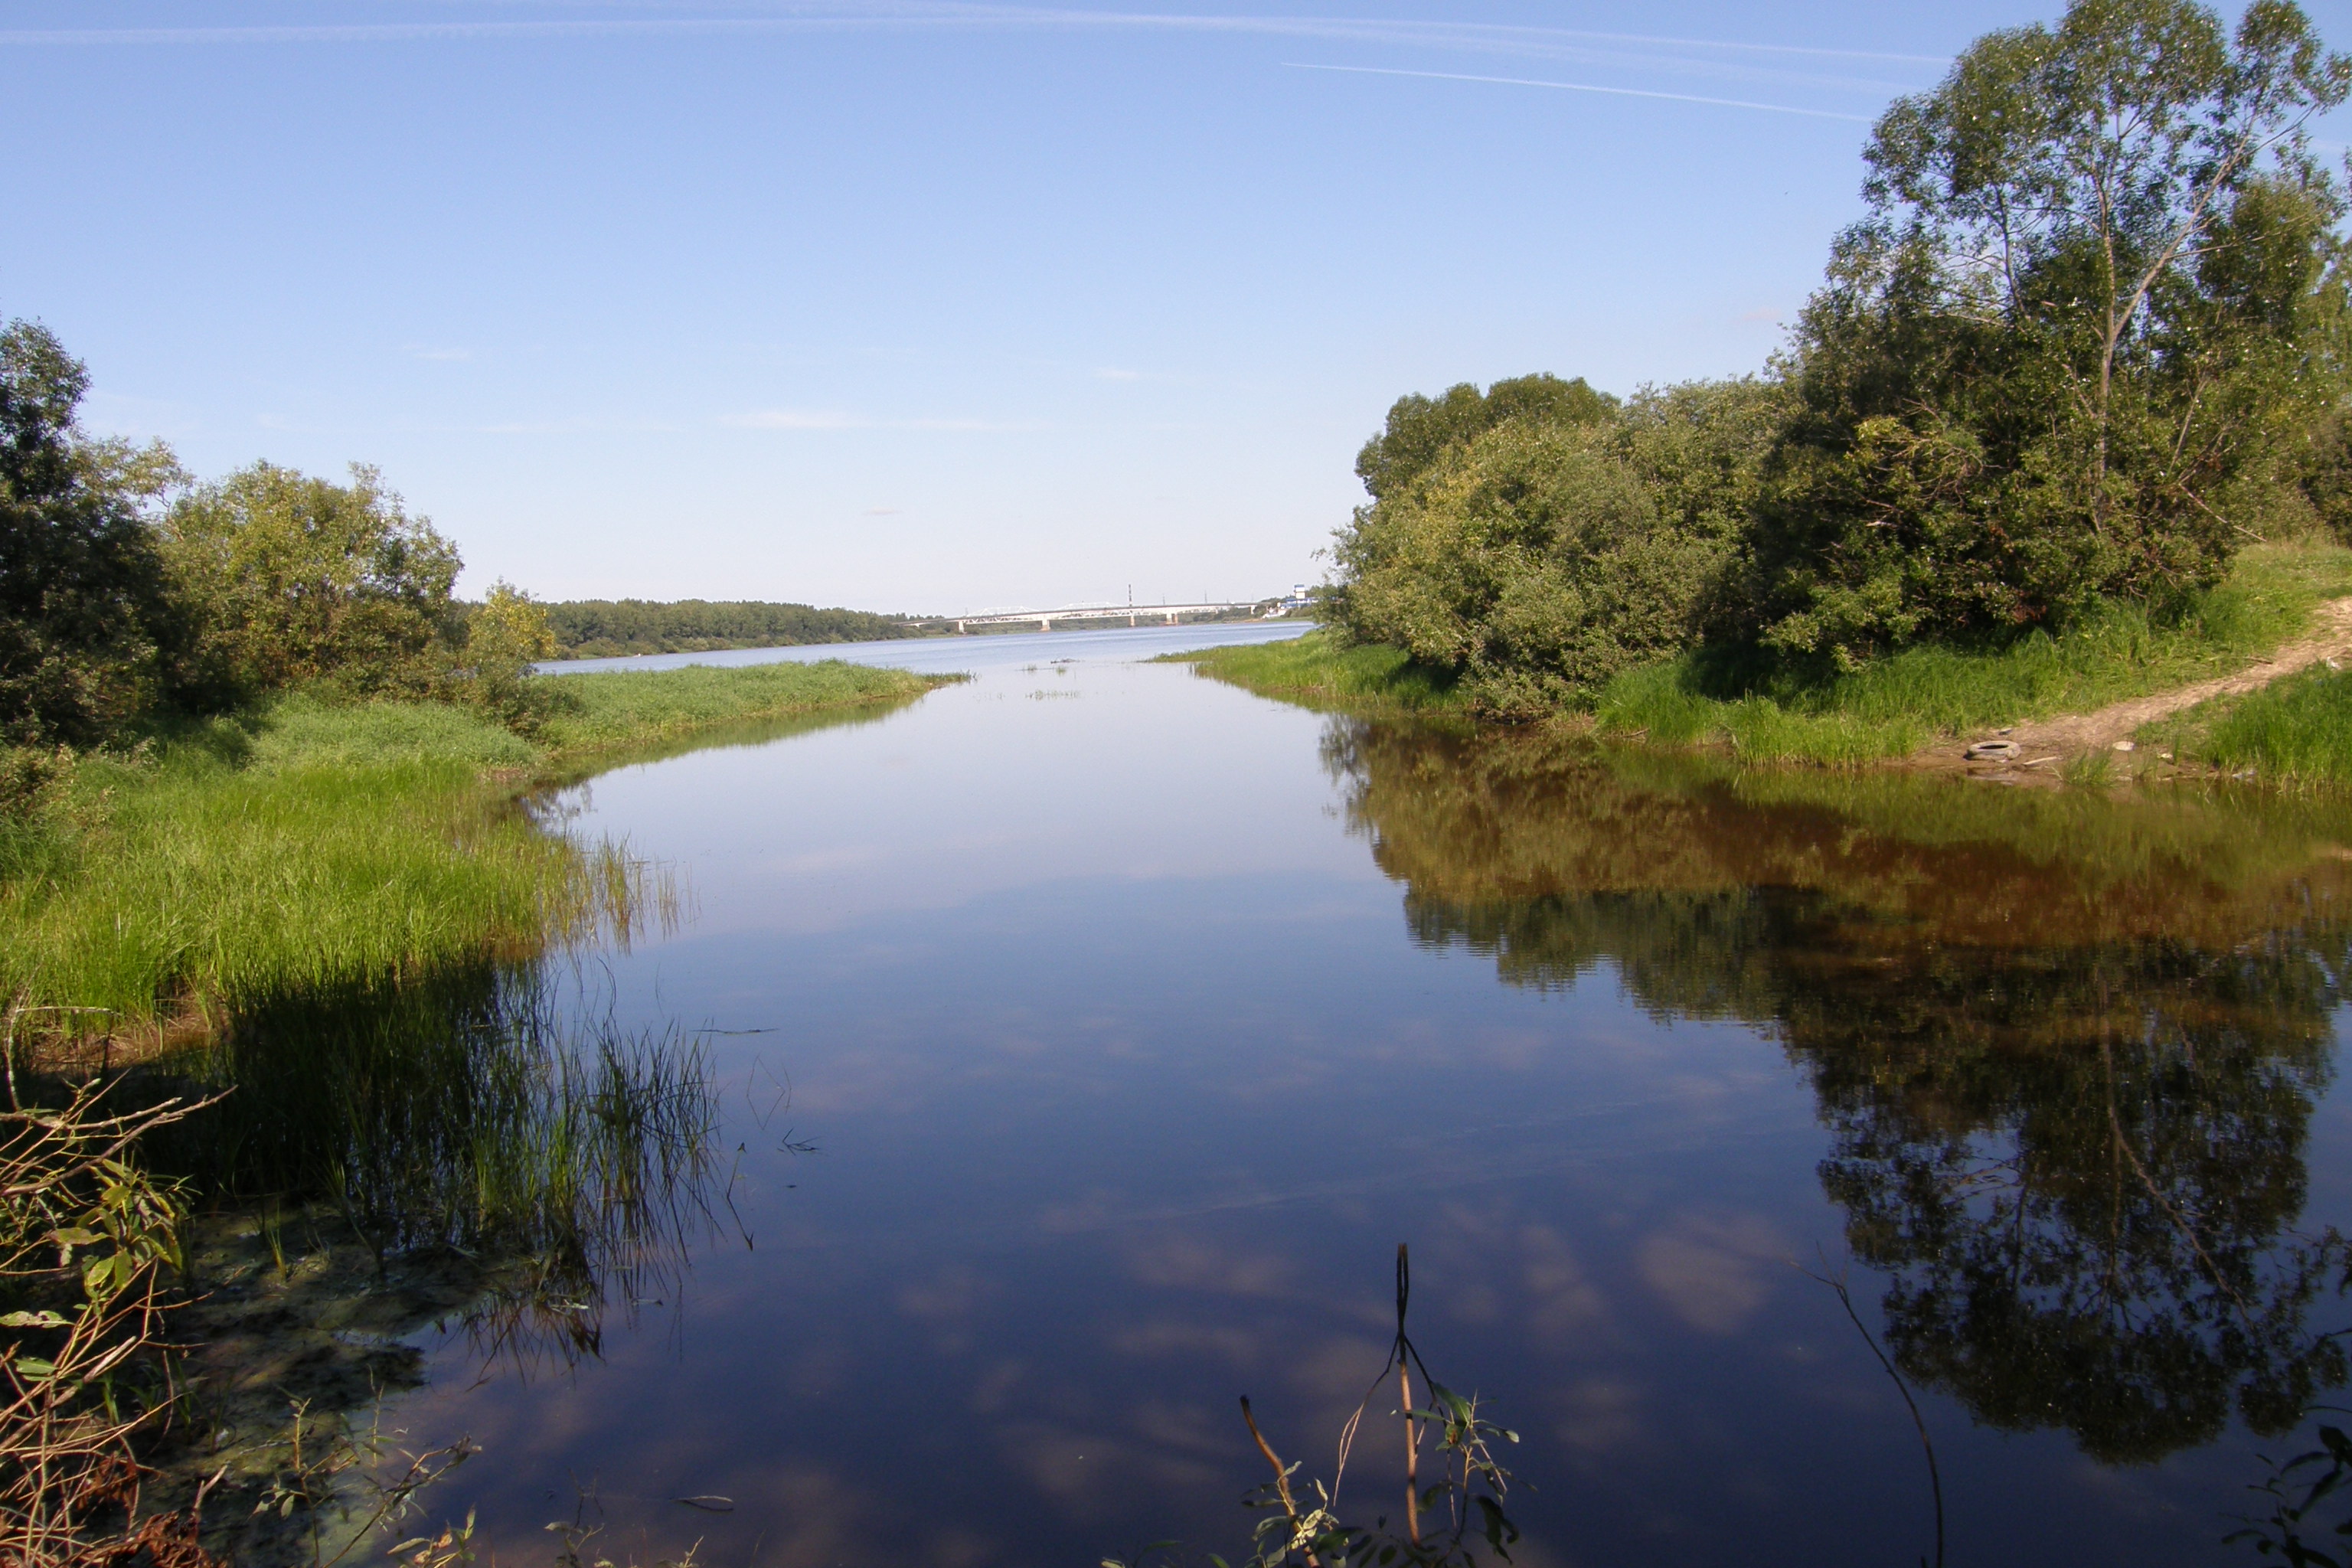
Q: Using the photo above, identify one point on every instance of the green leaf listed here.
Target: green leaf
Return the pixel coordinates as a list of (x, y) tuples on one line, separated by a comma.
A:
[(32, 1320), (35, 1369)]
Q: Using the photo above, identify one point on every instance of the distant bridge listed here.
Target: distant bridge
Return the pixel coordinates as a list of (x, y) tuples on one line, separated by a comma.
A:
[(1135, 614)]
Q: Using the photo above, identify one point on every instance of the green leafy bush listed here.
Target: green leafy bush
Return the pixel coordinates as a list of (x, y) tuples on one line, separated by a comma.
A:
[(1539, 557), (292, 580)]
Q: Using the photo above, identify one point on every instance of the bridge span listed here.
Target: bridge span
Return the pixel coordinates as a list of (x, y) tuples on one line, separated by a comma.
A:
[(1135, 614)]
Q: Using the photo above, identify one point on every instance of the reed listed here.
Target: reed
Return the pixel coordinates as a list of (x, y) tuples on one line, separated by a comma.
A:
[(89, 1259)]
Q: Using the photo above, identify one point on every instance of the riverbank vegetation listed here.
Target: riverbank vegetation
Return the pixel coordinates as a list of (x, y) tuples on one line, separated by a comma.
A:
[(1884, 707), (2085, 353), (2297, 732), (311, 842), (277, 887), (1324, 670), (253, 742)]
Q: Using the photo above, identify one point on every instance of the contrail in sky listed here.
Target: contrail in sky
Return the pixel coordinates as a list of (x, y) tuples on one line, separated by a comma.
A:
[(1727, 61), (786, 17), (1588, 86)]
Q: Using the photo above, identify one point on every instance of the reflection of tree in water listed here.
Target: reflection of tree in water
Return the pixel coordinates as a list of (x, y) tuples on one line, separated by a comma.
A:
[(2068, 1049), (2091, 1232)]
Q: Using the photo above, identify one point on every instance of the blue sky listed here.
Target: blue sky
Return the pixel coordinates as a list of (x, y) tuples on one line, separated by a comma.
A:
[(924, 306)]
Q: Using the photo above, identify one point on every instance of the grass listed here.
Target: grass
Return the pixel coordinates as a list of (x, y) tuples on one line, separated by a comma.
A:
[(1896, 705), (1319, 670), (2298, 730), (310, 845), (631, 707)]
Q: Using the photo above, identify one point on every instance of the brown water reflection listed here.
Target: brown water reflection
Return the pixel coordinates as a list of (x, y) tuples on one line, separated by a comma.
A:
[(2067, 1047)]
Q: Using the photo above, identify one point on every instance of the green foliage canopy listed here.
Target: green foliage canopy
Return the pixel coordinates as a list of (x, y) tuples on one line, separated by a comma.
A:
[(1420, 429), (87, 628), (596, 628), (1536, 556), (294, 579), (2094, 305)]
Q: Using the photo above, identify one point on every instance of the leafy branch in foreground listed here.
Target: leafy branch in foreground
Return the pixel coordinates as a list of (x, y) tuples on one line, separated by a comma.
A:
[(86, 1242)]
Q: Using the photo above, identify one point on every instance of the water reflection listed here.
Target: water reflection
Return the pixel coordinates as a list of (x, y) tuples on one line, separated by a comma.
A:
[(2068, 1049), (479, 1112)]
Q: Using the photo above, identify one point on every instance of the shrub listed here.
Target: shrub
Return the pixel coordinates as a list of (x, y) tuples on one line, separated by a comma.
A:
[(1537, 559), (293, 580)]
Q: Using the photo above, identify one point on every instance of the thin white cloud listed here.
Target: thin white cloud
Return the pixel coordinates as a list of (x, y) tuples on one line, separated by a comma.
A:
[(1589, 86)]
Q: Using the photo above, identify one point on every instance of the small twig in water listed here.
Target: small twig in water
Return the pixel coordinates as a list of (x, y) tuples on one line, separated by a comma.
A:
[(1935, 1479)]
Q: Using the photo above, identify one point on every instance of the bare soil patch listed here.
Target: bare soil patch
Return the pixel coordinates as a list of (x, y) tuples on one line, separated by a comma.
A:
[(2043, 745)]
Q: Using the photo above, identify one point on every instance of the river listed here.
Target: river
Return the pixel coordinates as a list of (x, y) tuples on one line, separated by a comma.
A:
[(1087, 1035)]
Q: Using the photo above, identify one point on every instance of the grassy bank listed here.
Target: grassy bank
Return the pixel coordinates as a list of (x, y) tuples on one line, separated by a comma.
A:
[(1318, 670), (2297, 732), (1895, 706), (310, 845)]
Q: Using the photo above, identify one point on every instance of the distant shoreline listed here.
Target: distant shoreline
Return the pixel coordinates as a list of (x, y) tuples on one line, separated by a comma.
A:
[(632, 628)]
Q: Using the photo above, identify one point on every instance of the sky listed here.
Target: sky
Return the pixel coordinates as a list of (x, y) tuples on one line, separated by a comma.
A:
[(914, 307)]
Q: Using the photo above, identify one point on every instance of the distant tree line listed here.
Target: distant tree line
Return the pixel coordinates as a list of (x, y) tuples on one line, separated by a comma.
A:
[(602, 628), (2089, 341)]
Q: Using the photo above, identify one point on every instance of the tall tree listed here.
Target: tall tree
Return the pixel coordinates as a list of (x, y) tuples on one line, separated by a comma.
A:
[(85, 622), (2093, 299)]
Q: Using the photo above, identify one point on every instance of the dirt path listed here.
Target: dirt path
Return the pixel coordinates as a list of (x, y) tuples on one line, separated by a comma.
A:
[(2042, 743)]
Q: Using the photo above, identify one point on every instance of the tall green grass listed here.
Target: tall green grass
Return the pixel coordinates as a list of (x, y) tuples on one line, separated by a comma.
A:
[(1895, 705), (1319, 671), (2296, 730), (312, 845), (194, 880)]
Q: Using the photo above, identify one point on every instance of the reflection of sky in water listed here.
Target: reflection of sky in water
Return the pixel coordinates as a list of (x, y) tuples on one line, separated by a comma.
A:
[(1126, 1078)]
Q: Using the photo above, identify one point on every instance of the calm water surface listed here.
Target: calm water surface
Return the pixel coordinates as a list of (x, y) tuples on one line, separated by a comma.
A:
[(1092, 1033)]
